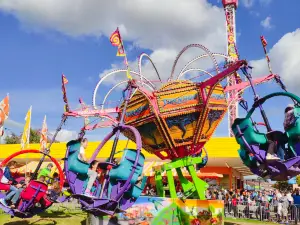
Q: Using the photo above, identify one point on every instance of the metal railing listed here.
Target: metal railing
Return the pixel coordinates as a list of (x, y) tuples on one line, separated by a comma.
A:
[(261, 211)]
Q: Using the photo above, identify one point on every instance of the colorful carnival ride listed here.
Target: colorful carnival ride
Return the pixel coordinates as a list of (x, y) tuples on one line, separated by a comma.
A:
[(173, 122)]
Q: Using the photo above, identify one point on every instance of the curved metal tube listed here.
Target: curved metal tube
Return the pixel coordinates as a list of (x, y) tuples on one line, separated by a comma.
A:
[(263, 99), (111, 73), (118, 84), (195, 69), (140, 65), (25, 151), (138, 141), (192, 46), (200, 57)]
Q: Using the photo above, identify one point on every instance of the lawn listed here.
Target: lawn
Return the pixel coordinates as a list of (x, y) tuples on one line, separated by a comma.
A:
[(233, 221), (62, 216), (50, 217)]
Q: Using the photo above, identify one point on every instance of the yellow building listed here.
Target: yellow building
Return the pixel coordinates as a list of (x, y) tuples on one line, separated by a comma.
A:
[(222, 157)]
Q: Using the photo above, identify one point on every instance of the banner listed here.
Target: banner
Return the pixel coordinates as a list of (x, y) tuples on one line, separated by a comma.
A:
[(44, 139), (4, 112), (26, 131)]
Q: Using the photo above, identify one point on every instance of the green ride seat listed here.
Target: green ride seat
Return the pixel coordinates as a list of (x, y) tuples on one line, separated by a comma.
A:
[(250, 134), (74, 164), (293, 133), (248, 160)]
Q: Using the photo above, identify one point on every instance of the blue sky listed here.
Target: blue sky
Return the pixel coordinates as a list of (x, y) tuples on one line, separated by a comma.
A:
[(37, 46)]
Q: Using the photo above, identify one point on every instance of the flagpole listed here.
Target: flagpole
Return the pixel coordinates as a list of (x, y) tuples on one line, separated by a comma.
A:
[(264, 44), (125, 55), (28, 136)]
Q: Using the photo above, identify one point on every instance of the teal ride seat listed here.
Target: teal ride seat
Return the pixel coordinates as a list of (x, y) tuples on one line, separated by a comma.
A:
[(123, 170), (293, 133), (250, 134), (74, 164), (248, 160), (136, 190)]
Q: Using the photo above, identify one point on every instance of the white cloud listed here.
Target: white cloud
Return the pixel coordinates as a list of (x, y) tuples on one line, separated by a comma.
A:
[(161, 26), (266, 23), (285, 61), (11, 124), (65, 135), (265, 2), (248, 3)]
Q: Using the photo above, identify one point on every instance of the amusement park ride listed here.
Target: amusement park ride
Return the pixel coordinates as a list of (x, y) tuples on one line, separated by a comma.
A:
[(174, 122)]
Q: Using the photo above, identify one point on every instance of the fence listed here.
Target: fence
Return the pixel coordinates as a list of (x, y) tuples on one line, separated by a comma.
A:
[(261, 212)]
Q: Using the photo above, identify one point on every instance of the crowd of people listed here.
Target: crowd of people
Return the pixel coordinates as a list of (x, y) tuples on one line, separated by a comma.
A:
[(281, 202)]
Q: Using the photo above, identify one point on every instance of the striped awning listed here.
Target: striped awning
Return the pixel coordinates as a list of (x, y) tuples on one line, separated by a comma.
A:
[(149, 172)]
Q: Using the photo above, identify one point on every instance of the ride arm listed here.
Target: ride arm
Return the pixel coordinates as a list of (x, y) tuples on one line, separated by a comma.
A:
[(220, 76), (261, 101)]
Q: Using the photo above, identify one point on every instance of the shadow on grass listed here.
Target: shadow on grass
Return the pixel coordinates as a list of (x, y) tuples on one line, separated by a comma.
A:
[(25, 222), (54, 215), (17, 223), (83, 222)]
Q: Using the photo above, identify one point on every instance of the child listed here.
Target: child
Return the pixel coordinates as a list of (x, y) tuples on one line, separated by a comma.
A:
[(54, 191), (15, 195), (92, 177)]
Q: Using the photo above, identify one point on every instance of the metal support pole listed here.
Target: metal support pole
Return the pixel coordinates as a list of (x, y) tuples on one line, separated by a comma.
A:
[(94, 220), (47, 151), (112, 153)]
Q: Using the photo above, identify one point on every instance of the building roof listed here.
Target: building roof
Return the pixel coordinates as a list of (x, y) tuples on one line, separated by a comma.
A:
[(222, 152)]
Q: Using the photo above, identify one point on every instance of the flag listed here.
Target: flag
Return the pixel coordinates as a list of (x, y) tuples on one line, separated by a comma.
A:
[(26, 131), (43, 139), (128, 74), (263, 41), (115, 40), (4, 112), (121, 51), (64, 82)]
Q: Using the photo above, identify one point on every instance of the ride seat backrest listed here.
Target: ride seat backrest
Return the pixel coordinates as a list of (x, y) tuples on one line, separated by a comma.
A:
[(74, 164), (251, 135), (73, 146), (31, 190), (247, 160), (3, 186), (123, 170), (1, 173), (293, 133)]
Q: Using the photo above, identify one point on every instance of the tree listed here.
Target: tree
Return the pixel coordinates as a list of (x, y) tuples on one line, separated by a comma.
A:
[(283, 186), (15, 139), (34, 136), (298, 180), (12, 139)]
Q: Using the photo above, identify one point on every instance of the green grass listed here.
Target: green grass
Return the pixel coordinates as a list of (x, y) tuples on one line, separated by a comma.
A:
[(232, 221), (50, 217)]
